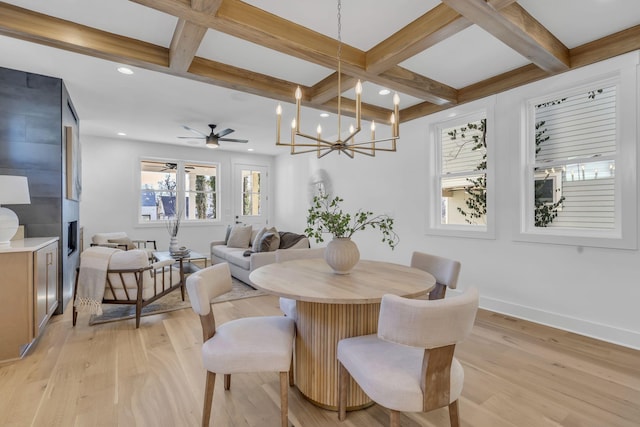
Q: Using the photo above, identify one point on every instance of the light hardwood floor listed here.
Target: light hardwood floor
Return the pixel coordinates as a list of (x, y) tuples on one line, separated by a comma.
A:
[(516, 374)]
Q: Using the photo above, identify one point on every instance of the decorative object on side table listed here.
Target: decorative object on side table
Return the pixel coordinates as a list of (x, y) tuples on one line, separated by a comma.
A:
[(325, 216), (173, 226)]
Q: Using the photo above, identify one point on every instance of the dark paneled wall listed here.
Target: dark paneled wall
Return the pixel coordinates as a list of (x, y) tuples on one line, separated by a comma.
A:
[(34, 110)]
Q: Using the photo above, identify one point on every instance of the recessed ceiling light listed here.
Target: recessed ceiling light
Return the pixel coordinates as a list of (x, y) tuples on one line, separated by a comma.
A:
[(453, 114), (125, 70), (249, 149), (384, 92), (122, 134), (324, 115)]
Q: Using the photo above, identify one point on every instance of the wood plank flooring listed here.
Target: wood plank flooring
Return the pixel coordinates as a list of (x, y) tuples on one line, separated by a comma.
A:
[(516, 374)]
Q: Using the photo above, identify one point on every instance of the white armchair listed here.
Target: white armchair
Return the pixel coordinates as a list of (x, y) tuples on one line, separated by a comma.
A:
[(130, 279), (409, 365)]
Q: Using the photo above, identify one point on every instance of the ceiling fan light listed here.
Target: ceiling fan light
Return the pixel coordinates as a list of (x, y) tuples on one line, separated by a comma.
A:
[(213, 144)]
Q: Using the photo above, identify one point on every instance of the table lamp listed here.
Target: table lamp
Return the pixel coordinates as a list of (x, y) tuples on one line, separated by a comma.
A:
[(14, 190)]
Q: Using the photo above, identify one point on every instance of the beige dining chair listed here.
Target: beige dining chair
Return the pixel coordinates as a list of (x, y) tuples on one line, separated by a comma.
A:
[(252, 344), (288, 305), (445, 271), (409, 365)]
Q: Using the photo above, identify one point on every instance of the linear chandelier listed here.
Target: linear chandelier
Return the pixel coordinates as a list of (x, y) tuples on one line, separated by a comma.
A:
[(348, 146)]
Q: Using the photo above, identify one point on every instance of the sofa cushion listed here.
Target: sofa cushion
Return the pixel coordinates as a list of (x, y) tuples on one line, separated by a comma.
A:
[(226, 236), (269, 241), (240, 237), (231, 255), (236, 257), (255, 241)]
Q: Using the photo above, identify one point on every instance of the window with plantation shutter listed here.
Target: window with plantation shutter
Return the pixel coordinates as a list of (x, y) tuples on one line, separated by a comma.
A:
[(578, 182), (575, 160), (462, 171)]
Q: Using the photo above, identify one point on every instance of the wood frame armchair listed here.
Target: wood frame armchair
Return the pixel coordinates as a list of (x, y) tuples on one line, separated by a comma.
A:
[(132, 280)]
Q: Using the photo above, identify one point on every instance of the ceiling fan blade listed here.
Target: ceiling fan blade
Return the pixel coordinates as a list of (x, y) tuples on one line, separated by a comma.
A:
[(194, 131), (224, 132), (192, 137), (233, 140)]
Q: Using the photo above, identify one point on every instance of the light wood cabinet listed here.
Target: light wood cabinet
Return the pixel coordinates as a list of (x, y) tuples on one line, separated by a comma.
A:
[(46, 285), (28, 292)]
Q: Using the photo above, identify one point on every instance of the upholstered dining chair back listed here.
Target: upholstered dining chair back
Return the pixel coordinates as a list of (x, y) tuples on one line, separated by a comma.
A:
[(445, 271), (408, 366), (427, 324), (288, 305), (251, 344)]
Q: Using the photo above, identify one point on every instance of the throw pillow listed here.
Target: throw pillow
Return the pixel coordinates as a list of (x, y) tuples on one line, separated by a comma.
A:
[(267, 240), (124, 241), (226, 236), (240, 237), (255, 244), (275, 243)]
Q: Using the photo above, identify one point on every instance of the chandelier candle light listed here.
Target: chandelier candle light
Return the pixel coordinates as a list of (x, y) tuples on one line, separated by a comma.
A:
[(349, 146)]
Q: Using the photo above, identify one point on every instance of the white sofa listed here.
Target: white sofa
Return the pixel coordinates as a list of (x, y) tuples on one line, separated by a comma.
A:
[(241, 266)]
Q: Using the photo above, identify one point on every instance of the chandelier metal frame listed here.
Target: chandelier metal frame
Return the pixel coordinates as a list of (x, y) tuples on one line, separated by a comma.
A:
[(348, 146)]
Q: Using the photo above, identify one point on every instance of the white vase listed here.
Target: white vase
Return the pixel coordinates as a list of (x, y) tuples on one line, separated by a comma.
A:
[(342, 255), (173, 245)]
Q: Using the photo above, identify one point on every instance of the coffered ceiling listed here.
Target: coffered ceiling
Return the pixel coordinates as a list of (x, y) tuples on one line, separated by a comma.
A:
[(230, 62)]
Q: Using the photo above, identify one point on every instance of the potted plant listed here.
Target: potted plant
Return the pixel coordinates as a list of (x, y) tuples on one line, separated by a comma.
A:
[(326, 216)]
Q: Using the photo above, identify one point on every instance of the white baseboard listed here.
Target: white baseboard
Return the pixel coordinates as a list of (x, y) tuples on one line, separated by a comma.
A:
[(599, 331)]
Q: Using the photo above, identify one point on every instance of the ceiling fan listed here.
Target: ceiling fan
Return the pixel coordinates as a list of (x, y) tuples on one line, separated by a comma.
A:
[(213, 138), (174, 166)]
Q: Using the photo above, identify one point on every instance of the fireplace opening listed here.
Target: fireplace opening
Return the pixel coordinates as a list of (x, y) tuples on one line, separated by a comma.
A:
[(72, 237)]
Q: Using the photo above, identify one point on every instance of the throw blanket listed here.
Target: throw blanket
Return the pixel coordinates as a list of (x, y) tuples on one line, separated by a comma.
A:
[(94, 263), (288, 239)]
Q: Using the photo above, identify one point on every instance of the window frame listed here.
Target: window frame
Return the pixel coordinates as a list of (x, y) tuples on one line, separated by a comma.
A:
[(180, 191), (623, 235), (452, 118)]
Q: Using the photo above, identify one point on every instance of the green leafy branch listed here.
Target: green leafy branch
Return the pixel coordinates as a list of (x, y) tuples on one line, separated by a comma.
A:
[(326, 216)]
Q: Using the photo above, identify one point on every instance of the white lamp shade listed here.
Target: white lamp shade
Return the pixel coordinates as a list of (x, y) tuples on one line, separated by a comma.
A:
[(14, 190)]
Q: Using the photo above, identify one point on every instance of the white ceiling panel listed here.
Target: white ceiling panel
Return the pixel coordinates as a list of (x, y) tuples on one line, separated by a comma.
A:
[(223, 48), (371, 95), (466, 58), (576, 22), (364, 24)]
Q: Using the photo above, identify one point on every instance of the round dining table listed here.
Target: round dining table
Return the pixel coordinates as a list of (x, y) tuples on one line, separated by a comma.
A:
[(331, 307)]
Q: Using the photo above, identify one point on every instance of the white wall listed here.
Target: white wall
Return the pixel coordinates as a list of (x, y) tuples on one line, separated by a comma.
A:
[(592, 291), (110, 198)]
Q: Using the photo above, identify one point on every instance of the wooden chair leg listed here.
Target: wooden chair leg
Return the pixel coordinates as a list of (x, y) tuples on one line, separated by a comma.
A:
[(208, 398), (291, 380), (343, 391), (453, 414), (394, 418), (284, 399), (75, 294), (227, 381), (138, 314)]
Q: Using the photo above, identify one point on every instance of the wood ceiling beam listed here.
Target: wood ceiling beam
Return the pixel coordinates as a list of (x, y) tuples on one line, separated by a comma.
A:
[(39, 28), (515, 27), (188, 36), (252, 24), (327, 88), (436, 25), (607, 47)]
